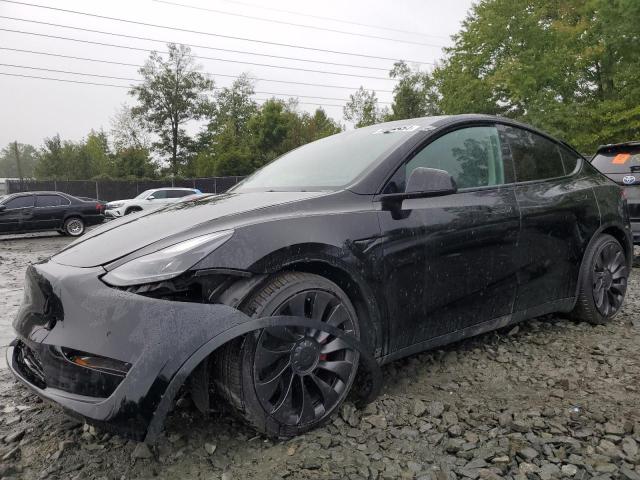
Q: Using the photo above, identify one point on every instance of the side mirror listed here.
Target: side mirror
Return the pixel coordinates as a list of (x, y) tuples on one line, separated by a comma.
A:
[(423, 182), (151, 197), (430, 182)]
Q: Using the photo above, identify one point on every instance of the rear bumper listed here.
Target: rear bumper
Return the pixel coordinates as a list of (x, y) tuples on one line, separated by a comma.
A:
[(161, 342)]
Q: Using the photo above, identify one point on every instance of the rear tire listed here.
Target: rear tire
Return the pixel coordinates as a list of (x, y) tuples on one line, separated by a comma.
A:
[(74, 226), (286, 381), (603, 281)]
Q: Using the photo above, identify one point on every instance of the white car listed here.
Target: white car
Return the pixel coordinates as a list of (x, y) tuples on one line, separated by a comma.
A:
[(149, 199)]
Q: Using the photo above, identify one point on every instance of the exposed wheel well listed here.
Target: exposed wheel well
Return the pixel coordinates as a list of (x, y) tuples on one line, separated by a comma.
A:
[(619, 235), (133, 208), (370, 327)]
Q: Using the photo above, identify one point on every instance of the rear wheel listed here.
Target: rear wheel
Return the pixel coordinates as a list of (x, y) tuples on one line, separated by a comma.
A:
[(285, 381), (603, 281), (74, 226)]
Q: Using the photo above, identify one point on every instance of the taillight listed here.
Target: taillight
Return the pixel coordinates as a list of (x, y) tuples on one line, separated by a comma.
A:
[(99, 207)]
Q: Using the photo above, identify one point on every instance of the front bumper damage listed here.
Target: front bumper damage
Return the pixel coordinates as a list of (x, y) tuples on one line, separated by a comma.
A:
[(157, 342)]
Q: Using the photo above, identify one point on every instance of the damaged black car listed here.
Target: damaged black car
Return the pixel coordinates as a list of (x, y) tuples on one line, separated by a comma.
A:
[(282, 294)]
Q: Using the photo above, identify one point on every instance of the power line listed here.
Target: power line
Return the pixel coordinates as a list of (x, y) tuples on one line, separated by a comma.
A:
[(140, 80), (63, 80), (198, 32), (194, 45), (71, 73), (290, 82), (331, 19), (301, 25), (124, 86), (202, 57)]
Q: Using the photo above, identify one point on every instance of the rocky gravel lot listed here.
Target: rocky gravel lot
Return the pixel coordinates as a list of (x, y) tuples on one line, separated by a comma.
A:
[(549, 398)]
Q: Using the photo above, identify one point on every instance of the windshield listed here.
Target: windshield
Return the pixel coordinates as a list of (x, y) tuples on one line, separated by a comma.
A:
[(145, 194), (329, 163), (623, 160)]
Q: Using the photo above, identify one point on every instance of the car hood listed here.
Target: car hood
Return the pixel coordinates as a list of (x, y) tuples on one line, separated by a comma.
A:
[(136, 231)]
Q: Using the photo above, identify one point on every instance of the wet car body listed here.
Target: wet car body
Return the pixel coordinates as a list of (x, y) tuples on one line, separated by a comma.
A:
[(421, 272)]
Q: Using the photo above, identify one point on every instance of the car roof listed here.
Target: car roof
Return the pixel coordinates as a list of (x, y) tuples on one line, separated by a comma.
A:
[(615, 146), (189, 189), (39, 192)]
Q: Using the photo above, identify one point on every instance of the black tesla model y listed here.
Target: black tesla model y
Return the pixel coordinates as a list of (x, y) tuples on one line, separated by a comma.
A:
[(353, 250)]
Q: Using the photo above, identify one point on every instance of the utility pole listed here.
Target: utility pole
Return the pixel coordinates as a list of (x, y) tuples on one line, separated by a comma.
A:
[(18, 165)]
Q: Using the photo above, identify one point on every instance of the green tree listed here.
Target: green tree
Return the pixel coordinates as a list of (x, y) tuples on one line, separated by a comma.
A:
[(362, 108), (415, 94), (132, 143), (569, 67), (8, 163), (223, 146), (56, 159), (93, 157), (173, 92), (128, 131)]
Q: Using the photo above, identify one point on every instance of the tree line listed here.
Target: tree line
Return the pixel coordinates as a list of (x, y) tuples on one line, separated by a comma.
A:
[(569, 67)]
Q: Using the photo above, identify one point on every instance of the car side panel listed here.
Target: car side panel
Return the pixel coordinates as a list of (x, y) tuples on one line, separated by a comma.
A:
[(449, 263), (559, 217)]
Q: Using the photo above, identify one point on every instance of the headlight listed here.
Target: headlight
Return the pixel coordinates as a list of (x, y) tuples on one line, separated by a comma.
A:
[(115, 204), (166, 263)]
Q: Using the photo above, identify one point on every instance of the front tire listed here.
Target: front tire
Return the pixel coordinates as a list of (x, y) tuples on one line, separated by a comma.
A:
[(74, 226), (131, 210), (603, 281), (285, 381)]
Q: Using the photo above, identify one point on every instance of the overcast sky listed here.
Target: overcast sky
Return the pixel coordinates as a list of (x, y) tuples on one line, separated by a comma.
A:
[(33, 109)]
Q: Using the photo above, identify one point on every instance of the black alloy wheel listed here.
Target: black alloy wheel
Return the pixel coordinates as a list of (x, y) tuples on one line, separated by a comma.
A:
[(287, 380), (609, 278), (300, 375)]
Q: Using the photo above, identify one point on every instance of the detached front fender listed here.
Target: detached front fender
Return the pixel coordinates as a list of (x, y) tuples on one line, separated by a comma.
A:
[(368, 364), (162, 341)]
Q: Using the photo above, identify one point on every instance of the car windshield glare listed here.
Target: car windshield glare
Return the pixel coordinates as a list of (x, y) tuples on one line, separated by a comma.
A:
[(330, 163)]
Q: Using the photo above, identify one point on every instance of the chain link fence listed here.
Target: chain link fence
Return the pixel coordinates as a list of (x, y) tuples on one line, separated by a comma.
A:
[(109, 190)]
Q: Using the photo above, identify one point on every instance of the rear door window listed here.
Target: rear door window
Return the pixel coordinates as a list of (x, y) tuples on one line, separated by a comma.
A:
[(50, 201), (179, 193), (20, 202), (625, 160), (534, 156)]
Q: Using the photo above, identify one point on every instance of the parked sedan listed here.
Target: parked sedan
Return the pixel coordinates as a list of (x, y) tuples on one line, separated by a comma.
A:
[(351, 251), (149, 199), (621, 163), (41, 211)]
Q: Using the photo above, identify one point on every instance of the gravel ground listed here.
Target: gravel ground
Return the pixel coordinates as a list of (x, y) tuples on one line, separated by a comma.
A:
[(549, 398)]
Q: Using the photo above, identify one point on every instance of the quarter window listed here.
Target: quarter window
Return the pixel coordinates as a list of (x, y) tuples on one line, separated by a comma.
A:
[(20, 202), (534, 157), (569, 160), (472, 156)]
